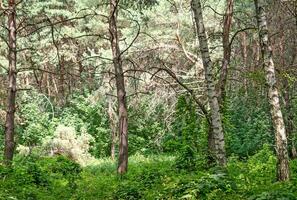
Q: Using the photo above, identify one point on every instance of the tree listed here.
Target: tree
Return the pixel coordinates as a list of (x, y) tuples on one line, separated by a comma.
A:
[(218, 146), (120, 85), (11, 90), (226, 50), (113, 126), (273, 94)]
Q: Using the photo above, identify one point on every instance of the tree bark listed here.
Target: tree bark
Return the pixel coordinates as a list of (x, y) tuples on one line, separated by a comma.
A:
[(273, 95), (113, 128), (61, 81), (216, 122), (227, 51), (289, 122), (11, 92), (120, 85), (244, 60)]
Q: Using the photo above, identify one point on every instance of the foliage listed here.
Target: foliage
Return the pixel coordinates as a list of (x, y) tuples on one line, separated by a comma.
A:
[(146, 132), (256, 177), (187, 128), (36, 116), (247, 127), (40, 119), (65, 141), (140, 4), (39, 178), (188, 137), (149, 177), (65, 72), (88, 112)]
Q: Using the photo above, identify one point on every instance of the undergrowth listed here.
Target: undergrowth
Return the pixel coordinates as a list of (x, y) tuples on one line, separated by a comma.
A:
[(149, 177)]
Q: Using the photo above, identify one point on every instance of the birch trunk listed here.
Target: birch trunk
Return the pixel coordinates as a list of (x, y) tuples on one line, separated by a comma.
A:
[(218, 144), (120, 85), (273, 95)]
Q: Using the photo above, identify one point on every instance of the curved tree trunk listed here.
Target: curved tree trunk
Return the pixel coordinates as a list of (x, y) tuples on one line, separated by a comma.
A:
[(11, 92), (273, 96), (216, 123), (120, 85)]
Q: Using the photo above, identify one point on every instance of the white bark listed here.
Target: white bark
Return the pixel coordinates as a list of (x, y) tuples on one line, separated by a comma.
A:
[(218, 147), (273, 96)]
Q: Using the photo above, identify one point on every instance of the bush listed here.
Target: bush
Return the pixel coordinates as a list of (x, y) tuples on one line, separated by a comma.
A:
[(87, 112), (187, 159), (66, 142), (247, 127), (256, 177), (146, 132), (35, 121), (39, 178), (188, 132), (149, 177), (39, 118)]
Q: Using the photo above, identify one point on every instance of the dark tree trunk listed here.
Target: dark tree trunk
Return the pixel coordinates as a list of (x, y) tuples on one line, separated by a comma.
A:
[(61, 81), (120, 85), (11, 92), (289, 119), (227, 51), (273, 95)]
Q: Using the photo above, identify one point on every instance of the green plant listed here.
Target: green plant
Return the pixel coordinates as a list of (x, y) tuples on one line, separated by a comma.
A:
[(247, 127), (34, 177)]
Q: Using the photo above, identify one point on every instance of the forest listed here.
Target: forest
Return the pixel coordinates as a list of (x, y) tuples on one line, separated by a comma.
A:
[(148, 99)]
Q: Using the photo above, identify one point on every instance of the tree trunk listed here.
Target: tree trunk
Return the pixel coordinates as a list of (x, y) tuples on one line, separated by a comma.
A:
[(227, 51), (11, 93), (61, 81), (113, 128), (273, 96), (244, 60), (120, 85), (216, 123), (290, 119)]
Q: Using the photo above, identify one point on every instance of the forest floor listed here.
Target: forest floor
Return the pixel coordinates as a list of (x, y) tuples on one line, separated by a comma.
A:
[(148, 177)]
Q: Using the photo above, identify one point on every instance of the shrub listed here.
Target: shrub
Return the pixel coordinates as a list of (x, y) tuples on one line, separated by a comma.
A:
[(187, 159), (247, 127), (88, 112), (36, 119), (39, 178), (66, 142)]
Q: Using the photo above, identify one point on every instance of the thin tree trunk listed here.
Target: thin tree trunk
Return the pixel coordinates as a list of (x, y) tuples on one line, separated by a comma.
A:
[(290, 119), (244, 60), (61, 81), (11, 93), (113, 128), (216, 123), (227, 51), (120, 85), (273, 96)]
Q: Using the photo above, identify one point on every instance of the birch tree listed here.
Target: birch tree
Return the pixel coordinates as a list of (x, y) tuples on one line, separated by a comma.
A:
[(218, 146), (273, 94)]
